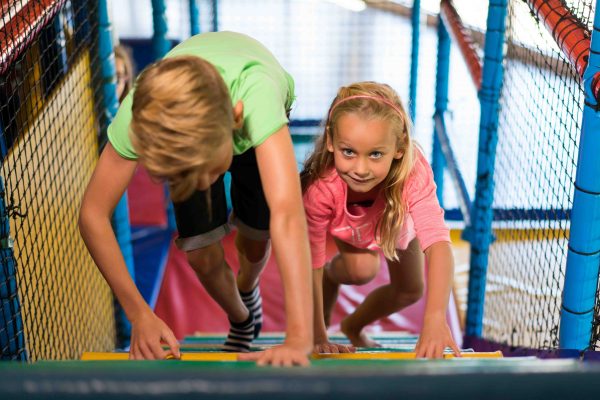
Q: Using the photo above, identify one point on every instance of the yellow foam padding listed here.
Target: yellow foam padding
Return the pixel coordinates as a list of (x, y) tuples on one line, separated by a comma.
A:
[(397, 356), (213, 356), (516, 235), (222, 356)]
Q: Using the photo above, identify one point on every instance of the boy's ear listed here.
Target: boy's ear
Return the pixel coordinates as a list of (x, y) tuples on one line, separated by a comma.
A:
[(329, 142), (238, 115)]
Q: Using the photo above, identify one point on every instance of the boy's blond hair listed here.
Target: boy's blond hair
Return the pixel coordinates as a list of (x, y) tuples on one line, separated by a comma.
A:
[(181, 115), (367, 106)]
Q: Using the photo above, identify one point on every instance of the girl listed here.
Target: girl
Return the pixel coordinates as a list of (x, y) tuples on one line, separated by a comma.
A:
[(216, 102), (125, 71), (370, 188)]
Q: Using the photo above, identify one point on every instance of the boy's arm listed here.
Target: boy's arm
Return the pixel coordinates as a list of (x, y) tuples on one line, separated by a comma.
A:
[(436, 335), (281, 185), (105, 189)]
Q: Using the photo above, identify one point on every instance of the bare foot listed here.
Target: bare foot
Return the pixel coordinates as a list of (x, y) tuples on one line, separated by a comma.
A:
[(357, 337)]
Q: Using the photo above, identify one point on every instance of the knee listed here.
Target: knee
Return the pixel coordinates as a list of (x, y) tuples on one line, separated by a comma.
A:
[(360, 278), (206, 261), (253, 250), (359, 274)]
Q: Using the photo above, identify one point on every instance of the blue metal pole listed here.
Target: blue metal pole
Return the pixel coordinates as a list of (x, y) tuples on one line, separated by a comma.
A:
[(120, 219), (215, 15), (583, 258), (414, 59), (482, 216), (441, 104), (450, 159), (194, 18), (161, 45), (12, 338)]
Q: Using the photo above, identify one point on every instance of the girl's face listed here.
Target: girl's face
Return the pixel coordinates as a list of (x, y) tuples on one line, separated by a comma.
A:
[(363, 151)]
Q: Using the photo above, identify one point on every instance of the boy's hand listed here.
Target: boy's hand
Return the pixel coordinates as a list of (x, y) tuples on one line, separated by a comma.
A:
[(148, 332), (288, 354), (434, 338), (328, 347)]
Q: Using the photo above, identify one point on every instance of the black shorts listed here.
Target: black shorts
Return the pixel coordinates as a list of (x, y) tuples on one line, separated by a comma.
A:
[(200, 225)]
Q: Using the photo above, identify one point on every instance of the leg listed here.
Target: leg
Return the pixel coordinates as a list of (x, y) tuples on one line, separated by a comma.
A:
[(404, 289), (202, 225), (352, 266), (253, 256), (251, 216), (218, 280)]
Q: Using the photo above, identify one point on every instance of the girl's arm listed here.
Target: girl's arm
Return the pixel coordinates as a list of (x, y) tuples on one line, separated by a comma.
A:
[(281, 185), (436, 335), (320, 331), (105, 189), (322, 343)]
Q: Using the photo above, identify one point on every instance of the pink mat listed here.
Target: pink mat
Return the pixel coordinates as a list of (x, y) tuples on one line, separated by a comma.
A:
[(146, 200)]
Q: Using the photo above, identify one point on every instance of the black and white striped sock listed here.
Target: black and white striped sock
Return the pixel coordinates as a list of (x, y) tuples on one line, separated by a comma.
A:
[(253, 302), (240, 336)]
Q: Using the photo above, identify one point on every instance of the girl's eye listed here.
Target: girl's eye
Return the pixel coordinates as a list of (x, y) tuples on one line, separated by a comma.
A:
[(347, 152), (376, 154)]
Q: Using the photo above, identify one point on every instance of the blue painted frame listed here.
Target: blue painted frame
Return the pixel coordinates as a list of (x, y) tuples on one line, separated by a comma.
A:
[(583, 258), (482, 213), (441, 105), (194, 18), (414, 59)]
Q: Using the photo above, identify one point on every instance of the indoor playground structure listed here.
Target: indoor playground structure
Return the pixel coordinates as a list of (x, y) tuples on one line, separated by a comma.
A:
[(504, 95)]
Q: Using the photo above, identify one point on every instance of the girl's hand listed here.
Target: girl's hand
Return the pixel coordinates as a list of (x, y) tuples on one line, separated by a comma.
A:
[(328, 347), (289, 354), (434, 338), (148, 332)]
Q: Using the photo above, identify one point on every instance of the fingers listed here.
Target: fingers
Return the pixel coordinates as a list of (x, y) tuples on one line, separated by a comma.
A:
[(455, 348), (334, 348), (331, 348), (158, 353), (133, 353), (141, 350), (269, 357), (145, 351), (419, 350), (172, 342), (277, 357), (348, 349)]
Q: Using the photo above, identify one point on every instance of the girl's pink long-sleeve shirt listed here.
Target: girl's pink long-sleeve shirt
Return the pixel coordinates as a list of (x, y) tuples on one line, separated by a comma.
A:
[(326, 211)]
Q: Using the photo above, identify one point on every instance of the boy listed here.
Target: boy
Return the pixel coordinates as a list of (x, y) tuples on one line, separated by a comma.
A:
[(216, 102)]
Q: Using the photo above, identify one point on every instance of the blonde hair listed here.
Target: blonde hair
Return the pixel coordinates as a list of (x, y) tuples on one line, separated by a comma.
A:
[(181, 112), (373, 100)]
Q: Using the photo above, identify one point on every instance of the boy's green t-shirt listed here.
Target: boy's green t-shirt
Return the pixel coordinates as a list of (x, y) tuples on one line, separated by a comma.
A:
[(251, 73)]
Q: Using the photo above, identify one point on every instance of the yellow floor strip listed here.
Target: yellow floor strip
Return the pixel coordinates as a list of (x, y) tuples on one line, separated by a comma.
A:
[(398, 356), (214, 356), (221, 356)]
